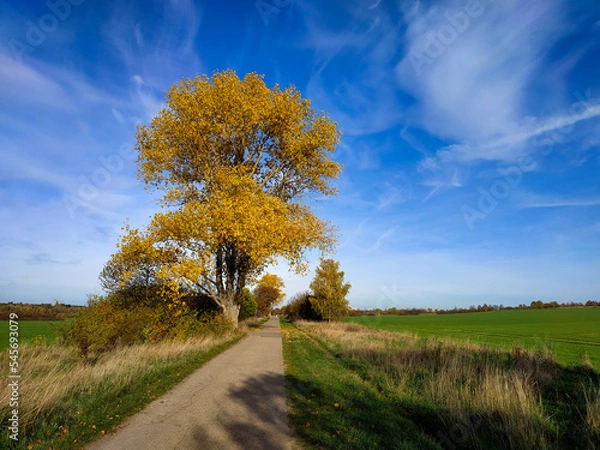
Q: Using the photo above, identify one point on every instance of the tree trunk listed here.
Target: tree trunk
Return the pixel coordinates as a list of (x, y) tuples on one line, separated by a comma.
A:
[(231, 269), (232, 311)]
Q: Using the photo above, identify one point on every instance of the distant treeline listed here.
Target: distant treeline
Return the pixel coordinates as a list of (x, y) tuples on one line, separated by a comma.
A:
[(40, 311), (537, 304)]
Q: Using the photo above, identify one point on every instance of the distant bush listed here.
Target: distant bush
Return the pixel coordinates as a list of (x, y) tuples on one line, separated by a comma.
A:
[(249, 305), (300, 307)]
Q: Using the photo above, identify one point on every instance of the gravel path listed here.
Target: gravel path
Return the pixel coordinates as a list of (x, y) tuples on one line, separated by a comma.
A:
[(235, 401)]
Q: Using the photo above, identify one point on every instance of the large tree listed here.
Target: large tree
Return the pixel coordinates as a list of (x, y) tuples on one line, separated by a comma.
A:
[(234, 161), (329, 291)]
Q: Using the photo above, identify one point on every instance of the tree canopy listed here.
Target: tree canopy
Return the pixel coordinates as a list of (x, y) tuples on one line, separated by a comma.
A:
[(234, 161)]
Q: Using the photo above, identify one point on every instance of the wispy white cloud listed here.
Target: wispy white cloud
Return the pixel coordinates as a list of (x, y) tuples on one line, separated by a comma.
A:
[(556, 202), (27, 85), (394, 192), (45, 258), (368, 237), (363, 100), (439, 170), (471, 76), (475, 87), (531, 138), (39, 84), (148, 101), (158, 54)]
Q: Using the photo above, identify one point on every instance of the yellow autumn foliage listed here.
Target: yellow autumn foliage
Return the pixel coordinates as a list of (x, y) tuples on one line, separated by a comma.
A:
[(330, 291), (268, 292), (234, 161)]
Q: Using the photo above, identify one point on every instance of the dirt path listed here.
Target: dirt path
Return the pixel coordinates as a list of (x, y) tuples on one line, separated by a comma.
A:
[(235, 401)]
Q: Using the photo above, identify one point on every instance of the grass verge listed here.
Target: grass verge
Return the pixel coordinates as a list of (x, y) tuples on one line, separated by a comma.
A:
[(332, 407), (397, 390), (64, 404)]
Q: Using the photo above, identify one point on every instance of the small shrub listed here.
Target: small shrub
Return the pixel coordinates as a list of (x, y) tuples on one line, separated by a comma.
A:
[(249, 305), (102, 326), (217, 324), (39, 340)]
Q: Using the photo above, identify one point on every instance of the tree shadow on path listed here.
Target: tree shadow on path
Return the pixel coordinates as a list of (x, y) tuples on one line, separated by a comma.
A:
[(258, 419)]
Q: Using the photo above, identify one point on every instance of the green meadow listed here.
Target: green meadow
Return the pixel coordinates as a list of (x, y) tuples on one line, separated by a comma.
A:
[(39, 330), (570, 334)]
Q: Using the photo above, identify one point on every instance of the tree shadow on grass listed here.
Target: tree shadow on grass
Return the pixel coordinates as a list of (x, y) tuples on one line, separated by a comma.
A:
[(348, 414), (258, 419)]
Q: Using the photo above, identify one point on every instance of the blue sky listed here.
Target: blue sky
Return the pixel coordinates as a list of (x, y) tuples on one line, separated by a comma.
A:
[(471, 137)]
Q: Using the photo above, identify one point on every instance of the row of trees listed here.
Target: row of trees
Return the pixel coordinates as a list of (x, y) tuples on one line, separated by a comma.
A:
[(536, 304), (41, 311)]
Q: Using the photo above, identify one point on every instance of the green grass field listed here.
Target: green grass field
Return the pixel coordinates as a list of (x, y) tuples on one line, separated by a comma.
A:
[(30, 329), (570, 334)]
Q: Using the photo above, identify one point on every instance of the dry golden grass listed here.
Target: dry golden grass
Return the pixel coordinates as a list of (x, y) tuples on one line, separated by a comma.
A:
[(51, 373), (253, 323), (352, 335)]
